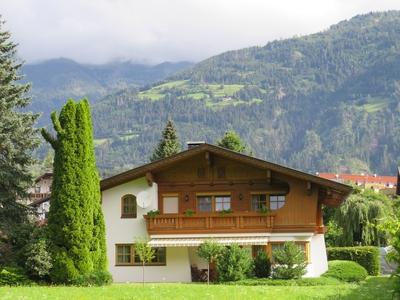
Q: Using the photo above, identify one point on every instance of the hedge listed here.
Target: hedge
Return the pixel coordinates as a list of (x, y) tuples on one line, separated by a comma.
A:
[(366, 256), (346, 270)]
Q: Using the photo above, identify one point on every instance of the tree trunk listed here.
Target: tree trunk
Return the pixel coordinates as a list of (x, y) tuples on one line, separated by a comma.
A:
[(208, 273), (143, 273)]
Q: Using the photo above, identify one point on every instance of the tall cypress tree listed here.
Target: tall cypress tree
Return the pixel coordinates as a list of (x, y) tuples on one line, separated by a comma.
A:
[(76, 223), (18, 138), (169, 143)]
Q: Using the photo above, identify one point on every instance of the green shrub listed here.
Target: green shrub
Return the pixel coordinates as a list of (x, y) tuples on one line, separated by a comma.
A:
[(291, 282), (97, 278), (262, 265), (234, 264), (346, 270), (13, 276), (38, 260), (289, 262), (366, 256)]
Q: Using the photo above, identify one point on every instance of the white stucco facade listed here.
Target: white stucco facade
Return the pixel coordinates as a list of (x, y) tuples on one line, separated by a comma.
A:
[(178, 259)]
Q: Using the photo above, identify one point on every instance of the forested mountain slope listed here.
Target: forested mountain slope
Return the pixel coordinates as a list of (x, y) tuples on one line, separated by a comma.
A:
[(54, 81), (323, 102)]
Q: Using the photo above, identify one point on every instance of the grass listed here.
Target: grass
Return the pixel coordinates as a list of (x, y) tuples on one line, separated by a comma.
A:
[(372, 288)]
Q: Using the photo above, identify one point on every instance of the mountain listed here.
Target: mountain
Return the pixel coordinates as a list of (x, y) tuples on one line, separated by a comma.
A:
[(54, 81), (322, 102)]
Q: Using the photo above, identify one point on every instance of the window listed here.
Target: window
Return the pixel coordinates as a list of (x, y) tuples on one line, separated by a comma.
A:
[(170, 204), (125, 256), (37, 189), (210, 203), (304, 246), (259, 201), (128, 206), (158, 259), (276, 201), (204, 203), (222, 203)]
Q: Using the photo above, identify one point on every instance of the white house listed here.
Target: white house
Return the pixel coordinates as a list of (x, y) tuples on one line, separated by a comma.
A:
[(210, 192)]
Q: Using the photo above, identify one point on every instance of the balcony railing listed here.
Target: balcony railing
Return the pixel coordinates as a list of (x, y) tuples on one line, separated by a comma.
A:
[(210, 223)]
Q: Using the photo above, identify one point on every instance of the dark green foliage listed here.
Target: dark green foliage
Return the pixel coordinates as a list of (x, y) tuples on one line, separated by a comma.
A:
[(13, 276), (288, 282), (232, 141), (38, 262), (18, 138), (235, 264), (359, 217), (169, 143), (95, 278), (344, 270), (289, 262), (366, 256), (262, 265), (76, 223)]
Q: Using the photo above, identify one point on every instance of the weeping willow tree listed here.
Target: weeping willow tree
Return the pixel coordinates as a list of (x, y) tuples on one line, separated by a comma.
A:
[(359, 218)]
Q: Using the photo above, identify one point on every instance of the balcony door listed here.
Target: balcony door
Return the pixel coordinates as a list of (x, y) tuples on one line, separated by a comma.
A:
[(170, 204)]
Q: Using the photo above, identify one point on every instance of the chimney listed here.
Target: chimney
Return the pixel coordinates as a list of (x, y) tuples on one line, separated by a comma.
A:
[(191, 145)]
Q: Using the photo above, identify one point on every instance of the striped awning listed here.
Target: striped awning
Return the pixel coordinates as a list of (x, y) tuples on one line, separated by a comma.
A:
[(185, 242)]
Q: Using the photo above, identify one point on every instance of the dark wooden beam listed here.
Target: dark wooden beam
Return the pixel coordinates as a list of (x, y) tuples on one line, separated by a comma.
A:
[(269, 176), (309, 188), (149, 178)]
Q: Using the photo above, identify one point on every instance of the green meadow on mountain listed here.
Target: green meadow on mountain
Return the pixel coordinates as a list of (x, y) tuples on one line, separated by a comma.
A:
[(322, 102)]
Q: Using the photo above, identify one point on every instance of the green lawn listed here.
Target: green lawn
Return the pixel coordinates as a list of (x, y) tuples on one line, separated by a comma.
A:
[(372, 288)]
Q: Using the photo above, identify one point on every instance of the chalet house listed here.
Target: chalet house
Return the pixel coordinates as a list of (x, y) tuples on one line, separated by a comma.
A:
[(39, 194), (210, 192)]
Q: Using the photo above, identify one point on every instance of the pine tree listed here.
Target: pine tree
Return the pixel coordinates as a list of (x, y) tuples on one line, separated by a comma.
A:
[(169, 144), (76, 223), (18, 138), (232, 141)]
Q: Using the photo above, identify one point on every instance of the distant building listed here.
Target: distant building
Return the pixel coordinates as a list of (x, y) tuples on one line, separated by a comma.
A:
[(39, 194), (386, 184)]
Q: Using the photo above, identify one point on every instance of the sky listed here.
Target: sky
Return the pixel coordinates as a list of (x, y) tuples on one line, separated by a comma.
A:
[(153, 31)]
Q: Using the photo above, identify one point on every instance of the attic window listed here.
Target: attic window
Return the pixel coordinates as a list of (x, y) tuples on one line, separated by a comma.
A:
[(201, 172), (221, 172)]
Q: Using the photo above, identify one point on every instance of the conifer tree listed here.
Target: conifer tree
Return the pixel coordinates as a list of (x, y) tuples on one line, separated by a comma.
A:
[(18, 138), (169, 143), (76, 223), (232, 141)]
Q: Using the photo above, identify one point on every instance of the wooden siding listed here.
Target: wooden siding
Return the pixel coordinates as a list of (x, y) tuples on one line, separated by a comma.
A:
[(206, 173)]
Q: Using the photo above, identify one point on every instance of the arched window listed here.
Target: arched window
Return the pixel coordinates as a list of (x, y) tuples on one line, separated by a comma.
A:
[(128, 206)]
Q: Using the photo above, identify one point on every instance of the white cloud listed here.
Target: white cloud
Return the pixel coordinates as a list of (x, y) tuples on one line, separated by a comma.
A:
[(97, 31)]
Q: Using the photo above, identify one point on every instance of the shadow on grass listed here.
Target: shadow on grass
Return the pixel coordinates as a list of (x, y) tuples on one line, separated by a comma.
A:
[(374, 288)]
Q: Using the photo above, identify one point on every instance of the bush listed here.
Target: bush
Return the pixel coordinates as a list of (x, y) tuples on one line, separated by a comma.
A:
[(366, 256), (97, 278), (262, 265), (235, 264), (38, 259), (346, 270), (291, 282), (289, 262), (13, 276)]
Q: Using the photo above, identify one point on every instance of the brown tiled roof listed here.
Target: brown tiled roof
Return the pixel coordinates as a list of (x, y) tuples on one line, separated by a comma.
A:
[(367, 178)]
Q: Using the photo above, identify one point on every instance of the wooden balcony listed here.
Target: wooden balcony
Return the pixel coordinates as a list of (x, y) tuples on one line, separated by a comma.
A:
[(210, 223)]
